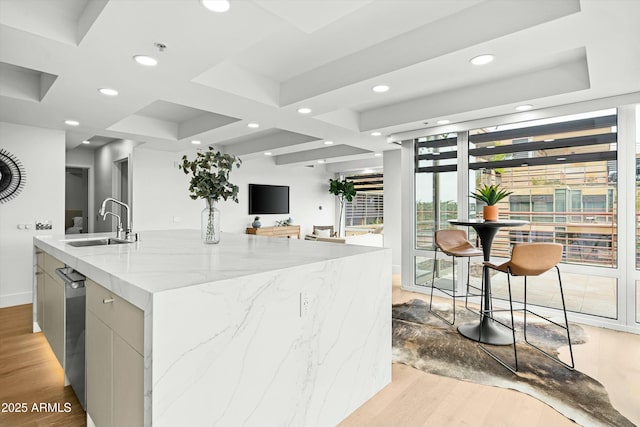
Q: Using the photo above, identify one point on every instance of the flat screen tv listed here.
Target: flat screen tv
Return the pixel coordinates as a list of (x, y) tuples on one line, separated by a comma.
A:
[(268, 199)]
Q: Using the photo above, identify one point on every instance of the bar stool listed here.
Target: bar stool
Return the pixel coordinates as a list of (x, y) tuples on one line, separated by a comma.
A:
[(455, 244), (530, 259)]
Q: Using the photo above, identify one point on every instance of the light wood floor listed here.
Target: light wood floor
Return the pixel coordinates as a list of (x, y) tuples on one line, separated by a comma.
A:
[(30, 373), (416, 398)]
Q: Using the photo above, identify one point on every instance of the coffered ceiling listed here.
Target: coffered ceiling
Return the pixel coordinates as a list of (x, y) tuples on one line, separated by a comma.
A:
[(262, 60)]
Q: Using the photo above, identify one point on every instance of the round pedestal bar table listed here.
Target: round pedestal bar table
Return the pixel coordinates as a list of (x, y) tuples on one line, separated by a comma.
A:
[(492, 332)]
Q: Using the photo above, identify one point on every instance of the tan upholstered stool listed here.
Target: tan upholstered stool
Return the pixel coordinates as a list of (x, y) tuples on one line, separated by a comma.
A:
[(530, 259), (455, 244)]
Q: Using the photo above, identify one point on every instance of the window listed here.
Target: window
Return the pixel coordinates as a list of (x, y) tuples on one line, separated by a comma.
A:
[(435, 198), (367, 208), (560, 172), (435, 184), (565, 174)]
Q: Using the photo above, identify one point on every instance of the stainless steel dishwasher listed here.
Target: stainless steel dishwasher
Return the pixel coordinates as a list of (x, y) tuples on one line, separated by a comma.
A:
[(75, 302)]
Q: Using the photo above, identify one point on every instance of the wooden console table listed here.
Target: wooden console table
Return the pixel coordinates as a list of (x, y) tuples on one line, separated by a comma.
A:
[(278, 231)]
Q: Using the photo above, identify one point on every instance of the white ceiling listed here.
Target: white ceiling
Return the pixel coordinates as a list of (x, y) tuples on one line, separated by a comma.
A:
[(262, 60)]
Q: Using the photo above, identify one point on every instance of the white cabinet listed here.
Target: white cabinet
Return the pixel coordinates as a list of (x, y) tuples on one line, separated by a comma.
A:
[(115, 362), (50, 303)]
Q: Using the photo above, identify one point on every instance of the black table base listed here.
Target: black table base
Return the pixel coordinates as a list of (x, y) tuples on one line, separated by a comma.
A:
[(492, 332)]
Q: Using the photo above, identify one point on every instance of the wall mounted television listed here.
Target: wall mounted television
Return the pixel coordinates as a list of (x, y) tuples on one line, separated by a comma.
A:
[(268, 199)]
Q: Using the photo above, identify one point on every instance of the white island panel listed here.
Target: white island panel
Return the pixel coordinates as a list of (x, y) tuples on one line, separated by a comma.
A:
[(299, 346), (252, 331)]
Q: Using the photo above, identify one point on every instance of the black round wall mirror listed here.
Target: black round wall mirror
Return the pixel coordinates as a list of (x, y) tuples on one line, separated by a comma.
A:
[(12, 176)]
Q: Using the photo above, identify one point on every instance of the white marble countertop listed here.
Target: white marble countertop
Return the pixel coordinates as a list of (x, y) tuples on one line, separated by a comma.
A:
[(172, 259)]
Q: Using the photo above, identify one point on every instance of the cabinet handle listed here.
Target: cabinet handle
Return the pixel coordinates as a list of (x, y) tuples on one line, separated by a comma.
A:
[(107, 300), (38, 273)]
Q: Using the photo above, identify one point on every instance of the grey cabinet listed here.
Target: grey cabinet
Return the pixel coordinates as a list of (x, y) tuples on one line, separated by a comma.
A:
[(115, 362), (50, 303)]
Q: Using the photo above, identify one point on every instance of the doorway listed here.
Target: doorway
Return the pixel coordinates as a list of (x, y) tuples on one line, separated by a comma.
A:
[(76, 207)]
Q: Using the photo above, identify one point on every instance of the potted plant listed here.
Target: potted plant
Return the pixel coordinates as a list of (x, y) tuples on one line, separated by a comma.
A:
[(490, 195), (210, 181), (345, 191)]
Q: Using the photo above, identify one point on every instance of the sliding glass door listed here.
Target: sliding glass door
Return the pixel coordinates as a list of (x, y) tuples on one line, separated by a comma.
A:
[(575, 179), (436, 201), (563, 175)]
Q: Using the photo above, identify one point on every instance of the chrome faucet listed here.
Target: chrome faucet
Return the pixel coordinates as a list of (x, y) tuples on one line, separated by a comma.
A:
[(120, 230), (128, 232)]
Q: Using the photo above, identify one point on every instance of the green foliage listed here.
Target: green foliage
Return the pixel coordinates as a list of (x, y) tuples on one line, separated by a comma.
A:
[(490, 194), (210, 175), (343, 189)]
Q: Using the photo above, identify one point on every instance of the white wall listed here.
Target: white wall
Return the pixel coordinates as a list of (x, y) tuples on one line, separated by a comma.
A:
[(80, 157), (42, 154), (161, 197), (160, 193), (392, 211)]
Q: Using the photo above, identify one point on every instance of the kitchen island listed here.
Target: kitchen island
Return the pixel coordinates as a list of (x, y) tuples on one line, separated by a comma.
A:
[(252, 331)]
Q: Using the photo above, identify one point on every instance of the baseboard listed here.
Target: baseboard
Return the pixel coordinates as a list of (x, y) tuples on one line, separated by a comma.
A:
[(396, 269), (15, 299)]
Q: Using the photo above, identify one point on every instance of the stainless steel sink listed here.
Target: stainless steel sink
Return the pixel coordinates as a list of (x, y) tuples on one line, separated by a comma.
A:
[(95, 242)]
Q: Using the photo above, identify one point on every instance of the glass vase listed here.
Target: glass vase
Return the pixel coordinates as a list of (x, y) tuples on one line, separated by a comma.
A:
[(210, 223)]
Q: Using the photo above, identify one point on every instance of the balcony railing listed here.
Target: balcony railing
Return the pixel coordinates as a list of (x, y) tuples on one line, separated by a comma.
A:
[(589, 238)]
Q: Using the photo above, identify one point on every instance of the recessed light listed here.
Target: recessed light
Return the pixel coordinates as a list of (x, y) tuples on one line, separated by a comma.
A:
[(377, 154), (435, 154), (218, 6), (86, 141), (253, 125), (525, 164), (195, 142), (561, 159), (108, 92), (443, 122), (328, 143), (145, 60), (367, 171), (380, 88), (71, 122), (490, 146), (524, 107), (549, 140), (304, 110), (321, 161), (376, 133), (482, 59), (268, 153)]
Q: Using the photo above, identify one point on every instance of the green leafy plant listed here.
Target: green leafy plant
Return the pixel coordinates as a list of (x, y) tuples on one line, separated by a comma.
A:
[(210, 175), (490, 194), (345, 191)]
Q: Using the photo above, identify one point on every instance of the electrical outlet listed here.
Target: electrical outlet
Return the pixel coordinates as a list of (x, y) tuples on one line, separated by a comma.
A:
[(305, 302)]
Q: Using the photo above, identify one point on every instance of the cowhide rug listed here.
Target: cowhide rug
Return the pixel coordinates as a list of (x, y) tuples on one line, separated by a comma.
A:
[(427, 343)]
